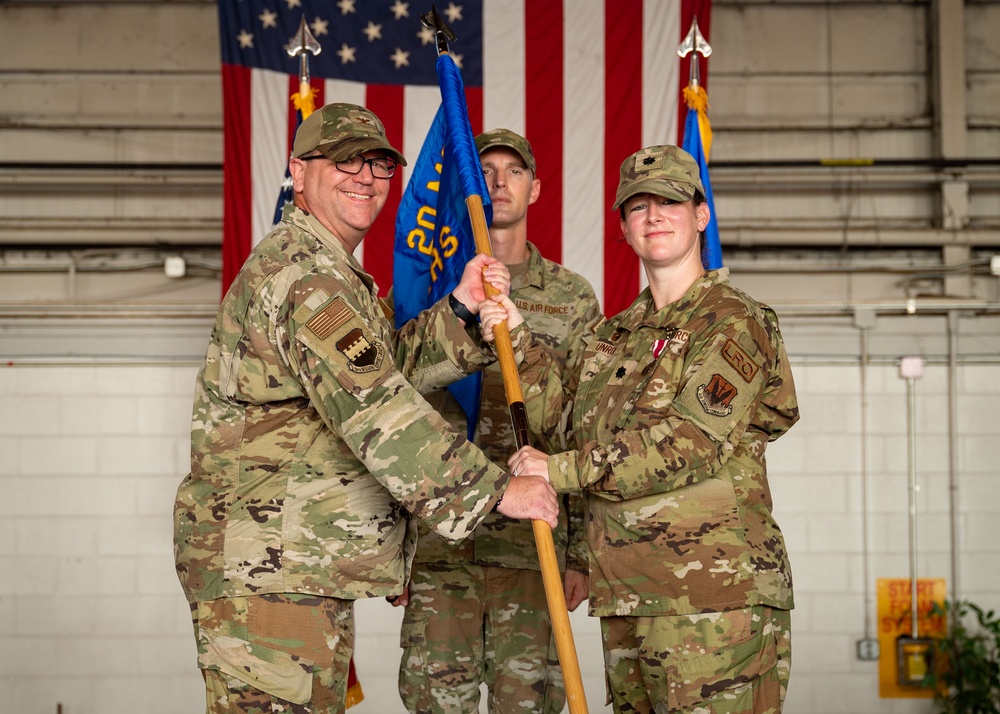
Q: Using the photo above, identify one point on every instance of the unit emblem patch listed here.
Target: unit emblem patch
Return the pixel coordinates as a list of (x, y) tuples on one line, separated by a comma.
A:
[(362, 355), (717, 395)]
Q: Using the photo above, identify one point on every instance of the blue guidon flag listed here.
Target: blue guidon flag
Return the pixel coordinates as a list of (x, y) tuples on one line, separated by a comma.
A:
[(434, 238)]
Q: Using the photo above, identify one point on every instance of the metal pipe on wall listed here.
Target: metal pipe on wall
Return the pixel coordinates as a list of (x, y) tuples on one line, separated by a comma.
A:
[(911, 369), (911, 438), (865, 321), (953, 488)]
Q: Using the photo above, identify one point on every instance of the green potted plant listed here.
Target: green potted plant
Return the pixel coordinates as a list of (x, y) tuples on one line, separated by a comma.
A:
[(966, 672)]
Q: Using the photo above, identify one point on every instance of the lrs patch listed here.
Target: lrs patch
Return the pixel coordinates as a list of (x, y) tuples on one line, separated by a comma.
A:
[(716, 397), (362, 355)]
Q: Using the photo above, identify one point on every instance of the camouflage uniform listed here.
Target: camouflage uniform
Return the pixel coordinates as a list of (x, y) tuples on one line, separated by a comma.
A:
[(308, 443), (672, 413), (673, 410), (477, 610)]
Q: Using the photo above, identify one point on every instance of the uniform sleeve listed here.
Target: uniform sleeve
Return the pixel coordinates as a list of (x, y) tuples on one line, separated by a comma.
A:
[(721, 392), (549, 386), (434, 349), (351, 379), (585, 320), (577, 552), (779, 406)]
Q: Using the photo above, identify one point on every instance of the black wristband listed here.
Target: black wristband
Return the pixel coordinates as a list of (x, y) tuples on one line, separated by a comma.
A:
[(496, 506), (460, 309)]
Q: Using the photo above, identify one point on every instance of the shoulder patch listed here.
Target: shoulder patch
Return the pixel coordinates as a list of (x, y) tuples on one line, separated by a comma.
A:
[(343, 339), (717, 395), (739, 360), (362, 355), (324, 322), (713, 397)]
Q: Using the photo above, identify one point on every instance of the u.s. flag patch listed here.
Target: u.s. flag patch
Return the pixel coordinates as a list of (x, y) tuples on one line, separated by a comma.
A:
[(324, 322)]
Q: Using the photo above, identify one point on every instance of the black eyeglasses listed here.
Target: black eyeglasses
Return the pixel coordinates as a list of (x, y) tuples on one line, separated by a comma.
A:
[(381, 167)]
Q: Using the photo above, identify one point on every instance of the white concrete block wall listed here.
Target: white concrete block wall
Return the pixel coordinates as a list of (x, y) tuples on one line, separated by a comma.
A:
[(92, 616)]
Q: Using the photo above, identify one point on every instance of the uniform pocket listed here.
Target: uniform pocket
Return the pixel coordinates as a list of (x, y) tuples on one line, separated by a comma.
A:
[(412, 631), (702, 678), (414, 683), (272, 671)]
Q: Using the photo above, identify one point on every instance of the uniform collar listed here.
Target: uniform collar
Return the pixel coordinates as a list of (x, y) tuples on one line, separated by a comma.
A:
[(642, 312), (534, 274), (305, 221)]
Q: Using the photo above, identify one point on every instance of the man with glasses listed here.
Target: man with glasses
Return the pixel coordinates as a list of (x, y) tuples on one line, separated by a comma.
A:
[(308, 442), (381, 166)]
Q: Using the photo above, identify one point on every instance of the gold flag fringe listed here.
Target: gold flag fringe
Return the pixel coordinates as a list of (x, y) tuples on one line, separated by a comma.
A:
[(696, 99), (304, 101)]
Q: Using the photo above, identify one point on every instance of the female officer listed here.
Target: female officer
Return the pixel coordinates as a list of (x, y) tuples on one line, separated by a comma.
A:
[(671, 412)]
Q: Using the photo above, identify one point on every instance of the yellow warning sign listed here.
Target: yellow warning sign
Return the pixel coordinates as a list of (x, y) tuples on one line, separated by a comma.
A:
[(903, 661)]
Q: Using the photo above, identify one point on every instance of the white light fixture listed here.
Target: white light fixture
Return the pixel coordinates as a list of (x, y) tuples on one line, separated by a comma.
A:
[(174, 266)]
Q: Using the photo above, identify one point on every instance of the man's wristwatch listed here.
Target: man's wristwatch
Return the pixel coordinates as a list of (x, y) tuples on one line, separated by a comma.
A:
[(460, 309)]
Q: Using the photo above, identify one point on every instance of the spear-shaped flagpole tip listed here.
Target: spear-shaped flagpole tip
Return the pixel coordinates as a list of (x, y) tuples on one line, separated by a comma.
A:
[(442, 32), (694, 42), (302, 45)]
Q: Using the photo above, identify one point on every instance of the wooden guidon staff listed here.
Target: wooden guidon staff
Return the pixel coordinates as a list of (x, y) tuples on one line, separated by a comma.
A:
[(551, 579), (554, 595)]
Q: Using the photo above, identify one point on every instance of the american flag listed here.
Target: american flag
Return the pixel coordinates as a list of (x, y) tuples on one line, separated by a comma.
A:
[(588, 82)]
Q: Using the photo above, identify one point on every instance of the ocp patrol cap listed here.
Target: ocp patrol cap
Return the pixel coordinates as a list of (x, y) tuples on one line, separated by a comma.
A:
[(508, 139), (666, 171), (341, 131)]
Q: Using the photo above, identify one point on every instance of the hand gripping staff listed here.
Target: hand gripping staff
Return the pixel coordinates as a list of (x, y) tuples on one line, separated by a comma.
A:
[(554, 595)]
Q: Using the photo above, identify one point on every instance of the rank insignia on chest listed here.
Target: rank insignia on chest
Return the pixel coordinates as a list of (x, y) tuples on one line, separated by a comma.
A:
[(362, 355), (717, 395)]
